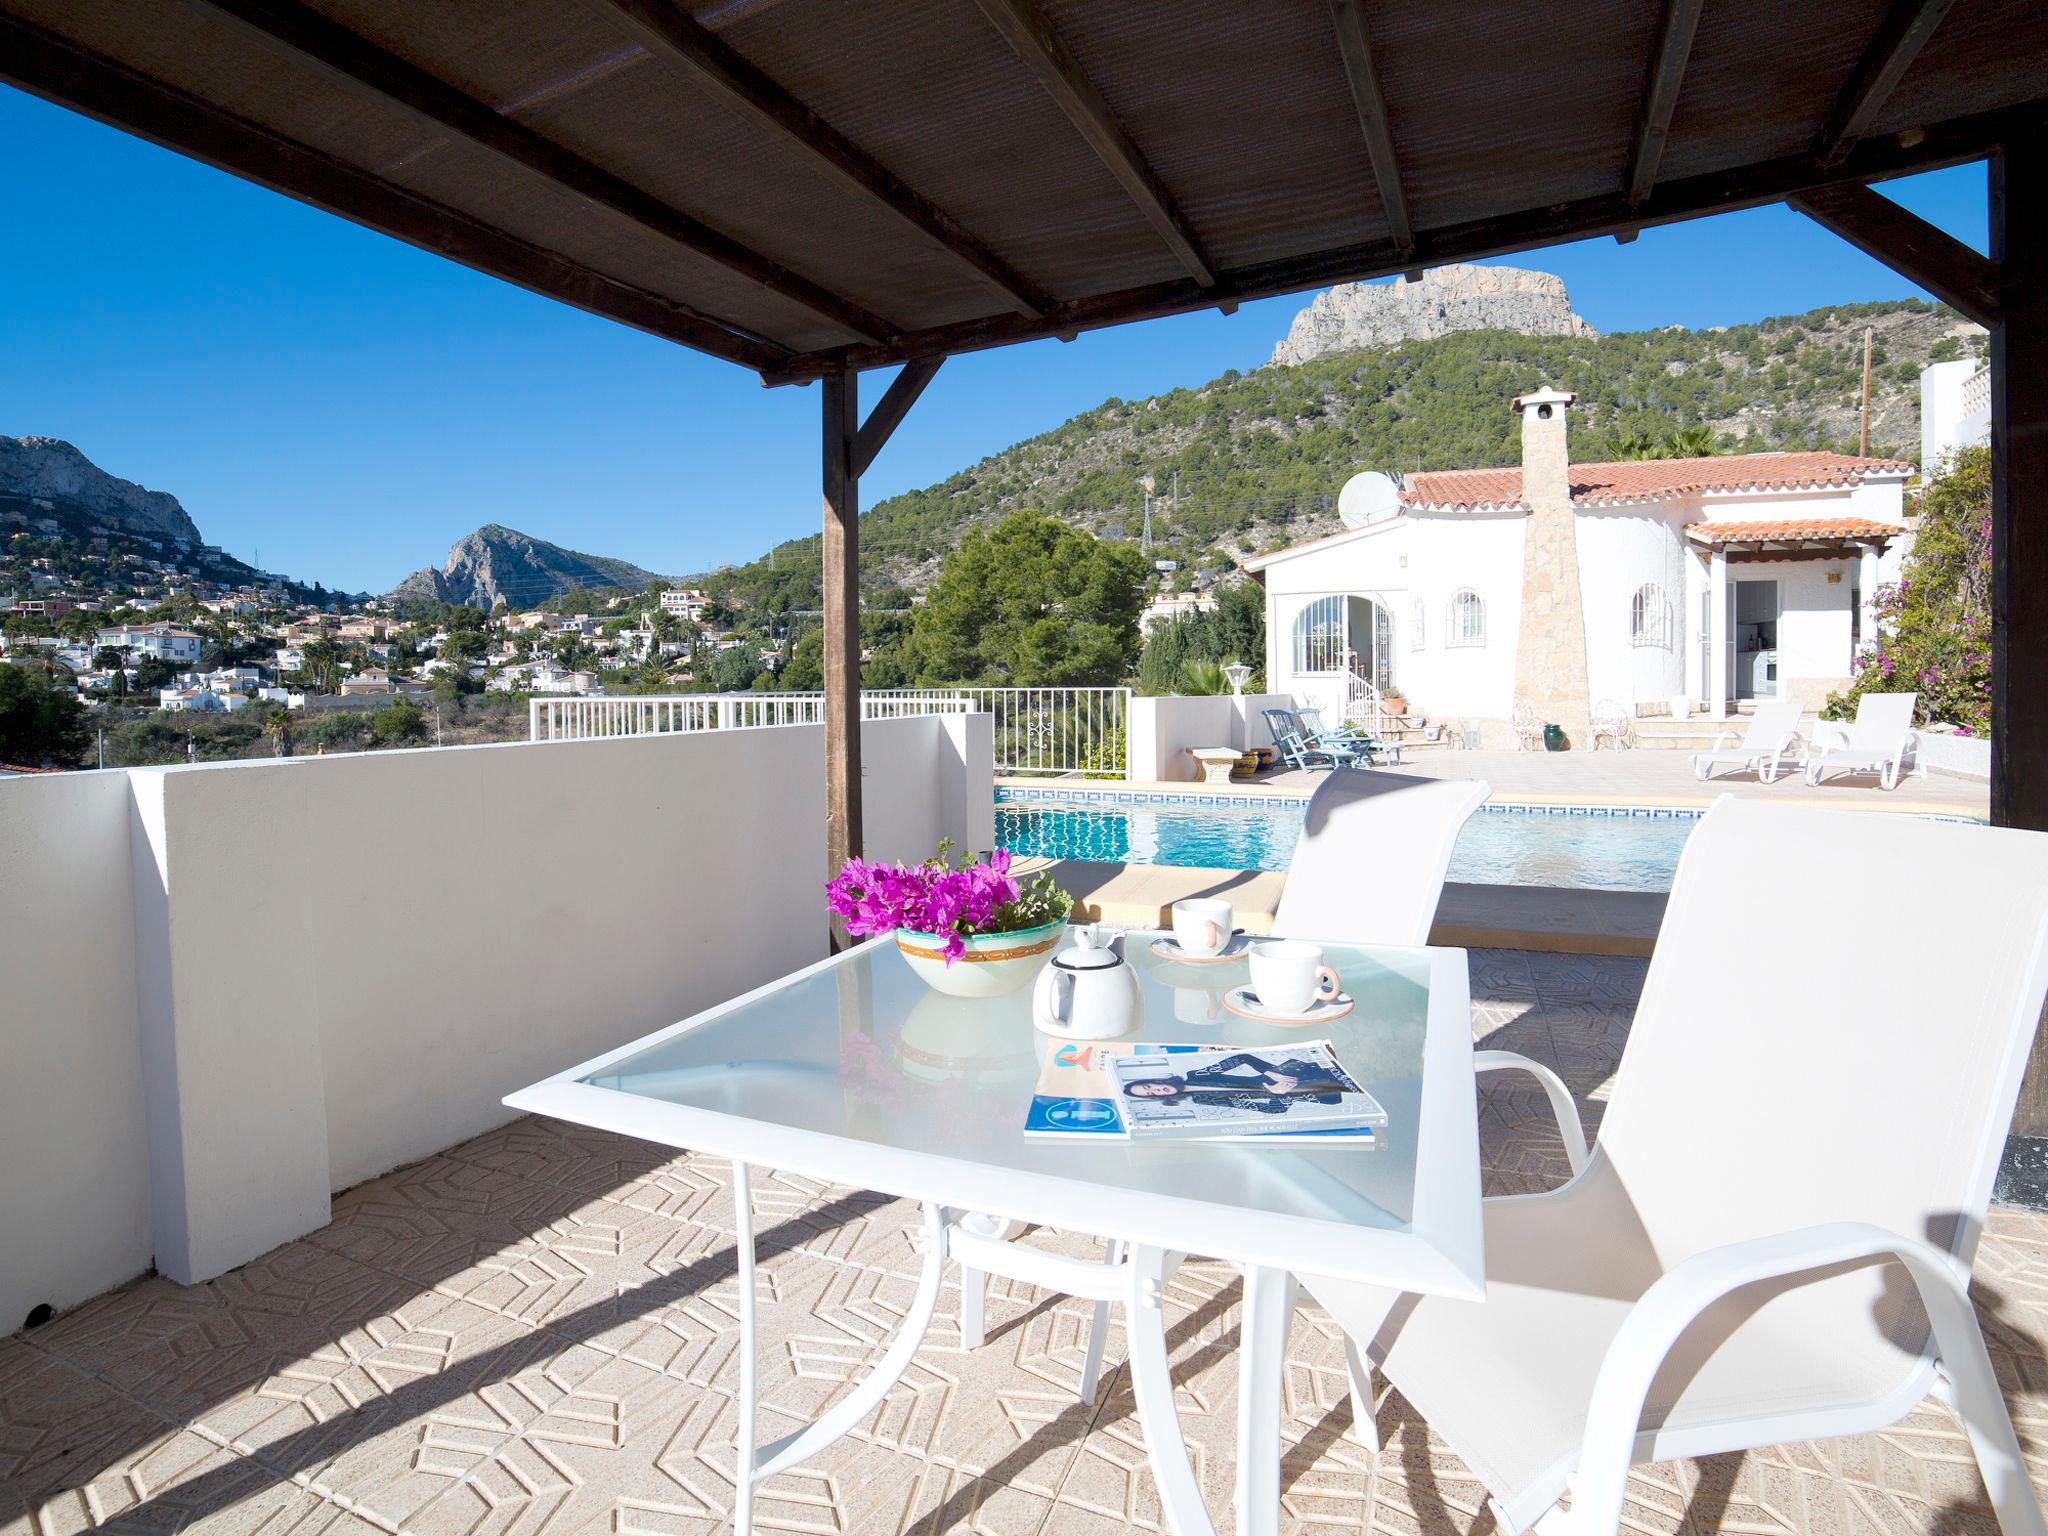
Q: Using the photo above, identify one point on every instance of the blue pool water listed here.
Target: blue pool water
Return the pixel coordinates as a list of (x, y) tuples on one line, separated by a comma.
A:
[(1498, 846)]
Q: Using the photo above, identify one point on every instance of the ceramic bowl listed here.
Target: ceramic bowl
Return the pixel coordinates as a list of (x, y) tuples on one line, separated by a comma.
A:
[(995, 963)]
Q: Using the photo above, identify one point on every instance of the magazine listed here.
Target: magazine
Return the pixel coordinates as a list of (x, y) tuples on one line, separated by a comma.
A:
[(1208, 1092)]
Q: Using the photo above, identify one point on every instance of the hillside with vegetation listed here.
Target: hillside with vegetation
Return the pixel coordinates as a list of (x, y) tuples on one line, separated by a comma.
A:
[(1260, 455)]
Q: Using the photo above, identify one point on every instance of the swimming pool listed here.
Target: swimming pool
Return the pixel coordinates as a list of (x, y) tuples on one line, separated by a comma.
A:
[(1615, 848)]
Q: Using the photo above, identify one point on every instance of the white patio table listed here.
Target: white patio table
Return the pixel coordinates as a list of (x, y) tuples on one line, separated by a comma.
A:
[(854, 1072)]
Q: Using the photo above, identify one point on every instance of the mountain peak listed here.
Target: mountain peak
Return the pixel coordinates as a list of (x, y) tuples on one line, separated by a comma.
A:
[(1459, 297), (50, 469), (497, 563)]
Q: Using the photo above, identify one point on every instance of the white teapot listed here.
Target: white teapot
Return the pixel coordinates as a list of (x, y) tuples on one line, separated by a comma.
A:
[(1088, 992)]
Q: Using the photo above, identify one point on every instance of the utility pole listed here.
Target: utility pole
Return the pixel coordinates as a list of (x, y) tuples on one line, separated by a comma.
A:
[(1863, 437), (1147, 483)]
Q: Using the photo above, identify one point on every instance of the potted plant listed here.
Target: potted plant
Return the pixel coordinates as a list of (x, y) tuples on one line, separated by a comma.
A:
[(970, 929)]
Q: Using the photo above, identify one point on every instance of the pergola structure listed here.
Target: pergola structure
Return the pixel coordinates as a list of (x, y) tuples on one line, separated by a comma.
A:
[(814, 188)]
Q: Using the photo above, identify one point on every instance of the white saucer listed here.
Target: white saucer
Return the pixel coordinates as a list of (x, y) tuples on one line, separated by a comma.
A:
[(1244, 1002), (1169, 948)]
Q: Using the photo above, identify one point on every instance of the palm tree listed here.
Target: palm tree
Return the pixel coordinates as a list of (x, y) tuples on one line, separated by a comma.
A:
[(1636, 445), (1694, 442)]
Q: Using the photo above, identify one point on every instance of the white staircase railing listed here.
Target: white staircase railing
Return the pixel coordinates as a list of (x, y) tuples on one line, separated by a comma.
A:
[(1364, 706), (1050, 731)]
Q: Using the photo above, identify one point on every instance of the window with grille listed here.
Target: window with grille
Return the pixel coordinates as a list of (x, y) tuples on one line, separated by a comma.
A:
[(1319, 636), (1649, 617), (1465, 620)]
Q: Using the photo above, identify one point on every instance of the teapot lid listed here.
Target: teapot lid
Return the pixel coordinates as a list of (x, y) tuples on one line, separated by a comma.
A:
[(1087, 959)]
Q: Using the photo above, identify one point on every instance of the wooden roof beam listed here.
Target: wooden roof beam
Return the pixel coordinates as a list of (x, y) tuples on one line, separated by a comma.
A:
[(1675, 33), (370, 71), (1900, 37), (667, 31), (1025, 28), (1355, 44), (1748, 186), (58, 70), (1909, 245), (889, 411)]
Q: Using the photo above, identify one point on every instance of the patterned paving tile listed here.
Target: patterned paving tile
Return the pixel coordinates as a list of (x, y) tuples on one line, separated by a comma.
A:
[(536, 1334)]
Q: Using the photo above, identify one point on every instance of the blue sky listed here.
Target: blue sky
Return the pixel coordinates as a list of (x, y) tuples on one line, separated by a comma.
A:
[(349, 407)]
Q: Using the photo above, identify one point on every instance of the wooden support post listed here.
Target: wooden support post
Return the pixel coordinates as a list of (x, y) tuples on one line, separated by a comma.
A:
[(2019, 522), (842, 625)]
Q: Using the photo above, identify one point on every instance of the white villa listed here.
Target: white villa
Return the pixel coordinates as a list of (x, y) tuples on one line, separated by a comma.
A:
[(1589, 587)]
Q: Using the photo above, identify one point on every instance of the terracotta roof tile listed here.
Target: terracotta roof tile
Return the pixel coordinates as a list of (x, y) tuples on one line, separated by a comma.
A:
[(1647, 479), (1791, 528)]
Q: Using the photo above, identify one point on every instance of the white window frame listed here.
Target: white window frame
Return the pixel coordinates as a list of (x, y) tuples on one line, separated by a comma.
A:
[(1465, 620), (1649, 618), (1321, 654)]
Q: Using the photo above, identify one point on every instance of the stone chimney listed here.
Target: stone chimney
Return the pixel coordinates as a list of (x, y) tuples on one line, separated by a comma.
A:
[(1550, 648)]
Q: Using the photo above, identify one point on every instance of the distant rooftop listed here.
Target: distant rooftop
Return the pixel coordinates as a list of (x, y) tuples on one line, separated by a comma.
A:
[(1648, 479)]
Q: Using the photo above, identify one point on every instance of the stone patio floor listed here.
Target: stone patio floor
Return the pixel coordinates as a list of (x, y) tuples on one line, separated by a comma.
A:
[(534, 1332)]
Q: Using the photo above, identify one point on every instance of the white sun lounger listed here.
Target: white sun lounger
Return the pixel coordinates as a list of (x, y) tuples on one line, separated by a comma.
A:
[(1877, 741), (1773, 733)]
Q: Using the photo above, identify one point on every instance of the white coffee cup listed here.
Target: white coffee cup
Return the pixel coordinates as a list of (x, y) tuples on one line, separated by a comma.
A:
[(1288, 975), (1201, 925)]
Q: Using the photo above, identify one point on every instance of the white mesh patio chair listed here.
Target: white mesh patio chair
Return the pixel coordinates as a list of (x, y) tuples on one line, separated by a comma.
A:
[(1368, 868), (1878, 740), (1772, 1239), (1369, 864), (1772, 736)]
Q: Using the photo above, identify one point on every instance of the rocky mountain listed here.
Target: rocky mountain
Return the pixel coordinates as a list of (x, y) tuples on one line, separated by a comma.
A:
[(1454, 298), (1258, 457), (497, 563), (49, 470)]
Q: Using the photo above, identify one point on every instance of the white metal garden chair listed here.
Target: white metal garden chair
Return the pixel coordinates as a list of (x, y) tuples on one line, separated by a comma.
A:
[(1614, 723), (1878, 740), (1772, 1239), (1772, 735), (1528, 726)]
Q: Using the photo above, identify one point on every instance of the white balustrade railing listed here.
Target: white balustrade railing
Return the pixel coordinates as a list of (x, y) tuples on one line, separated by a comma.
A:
[(1055, 731), (1977, 391), (1364, 706)]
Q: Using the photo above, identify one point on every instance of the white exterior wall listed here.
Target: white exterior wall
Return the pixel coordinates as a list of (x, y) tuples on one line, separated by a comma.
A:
[(1622, 550), (233, 988), (1163, 730), (1416, 556), (1951, 415), (74, 1165)]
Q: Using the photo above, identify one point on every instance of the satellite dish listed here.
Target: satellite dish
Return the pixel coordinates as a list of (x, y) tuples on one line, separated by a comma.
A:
[(1367, 498)]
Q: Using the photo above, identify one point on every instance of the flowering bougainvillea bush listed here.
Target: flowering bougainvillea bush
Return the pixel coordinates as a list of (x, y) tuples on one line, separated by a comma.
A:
[(1934, 623), (942, 898)]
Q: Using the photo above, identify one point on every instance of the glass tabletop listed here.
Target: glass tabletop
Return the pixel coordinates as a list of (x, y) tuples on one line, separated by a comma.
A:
[(863, 1050)]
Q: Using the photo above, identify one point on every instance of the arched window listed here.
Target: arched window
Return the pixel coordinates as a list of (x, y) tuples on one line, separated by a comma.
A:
[(1418, 626), (1649, 617), (1465, 620), (1319, 636)]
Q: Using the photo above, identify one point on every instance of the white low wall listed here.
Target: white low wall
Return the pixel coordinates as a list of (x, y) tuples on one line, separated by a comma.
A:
[(74, 1166), (291, 976), (1163, 730), (1967, 757)]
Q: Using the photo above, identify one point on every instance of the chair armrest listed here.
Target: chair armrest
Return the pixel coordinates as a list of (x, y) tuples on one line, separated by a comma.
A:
[(1669, 1307), (1725, 740), (1562, 1106), (1828, 737)]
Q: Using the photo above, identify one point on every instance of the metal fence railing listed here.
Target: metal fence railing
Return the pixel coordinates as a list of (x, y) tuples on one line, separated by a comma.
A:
[(1051, 731)]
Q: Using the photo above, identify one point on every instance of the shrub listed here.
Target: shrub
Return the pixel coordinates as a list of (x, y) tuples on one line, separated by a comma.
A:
[(1934, 623)]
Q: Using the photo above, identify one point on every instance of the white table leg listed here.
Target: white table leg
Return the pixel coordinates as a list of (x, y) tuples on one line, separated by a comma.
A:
[(1262, 1359), (1152, 1385), (1365, 1428), (1098, 1330), (758, 1462), (745, 1462)]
